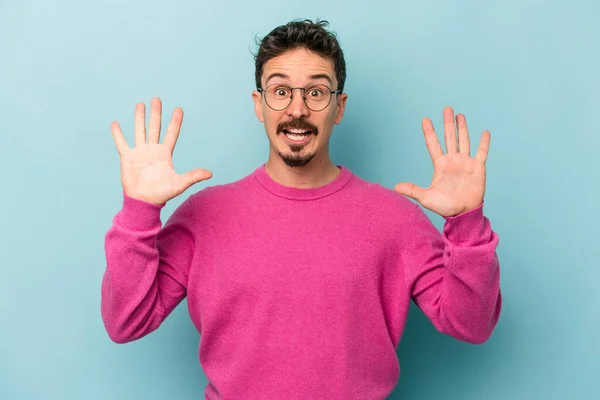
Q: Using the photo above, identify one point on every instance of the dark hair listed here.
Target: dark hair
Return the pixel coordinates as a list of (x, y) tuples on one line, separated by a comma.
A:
[(301, 34)]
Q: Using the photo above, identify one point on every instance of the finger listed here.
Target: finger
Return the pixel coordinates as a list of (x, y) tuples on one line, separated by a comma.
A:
[(118, 137), (431, 140), (484, 147), (140, 124), (411, 190), (449, 130), (155, 116), (186, 180), (464, 145), (173, 129)]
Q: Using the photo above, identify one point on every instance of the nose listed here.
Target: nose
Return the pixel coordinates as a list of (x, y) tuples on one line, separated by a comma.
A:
[(297, 107)]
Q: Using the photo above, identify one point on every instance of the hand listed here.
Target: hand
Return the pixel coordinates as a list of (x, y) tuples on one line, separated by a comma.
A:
[(147, 170), (458, 183)]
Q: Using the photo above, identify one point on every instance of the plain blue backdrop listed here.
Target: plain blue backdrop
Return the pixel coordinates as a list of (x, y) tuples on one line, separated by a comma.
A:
[(527, 70)]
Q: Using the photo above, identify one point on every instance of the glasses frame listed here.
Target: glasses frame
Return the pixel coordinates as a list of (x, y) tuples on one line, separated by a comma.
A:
[(331, 92)]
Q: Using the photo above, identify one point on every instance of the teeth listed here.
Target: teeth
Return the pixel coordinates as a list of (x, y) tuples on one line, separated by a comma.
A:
[(296, 137), (298, 131)]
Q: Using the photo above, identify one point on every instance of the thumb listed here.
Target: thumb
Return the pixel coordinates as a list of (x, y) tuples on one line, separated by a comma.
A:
[(411, 190), (184, 181)]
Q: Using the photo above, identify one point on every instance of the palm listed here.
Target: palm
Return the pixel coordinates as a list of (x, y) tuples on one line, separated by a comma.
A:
[(147, 171), (458, 183), (148, 166)]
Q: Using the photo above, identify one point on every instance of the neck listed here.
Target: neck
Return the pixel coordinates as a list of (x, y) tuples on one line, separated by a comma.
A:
[(318, 172)]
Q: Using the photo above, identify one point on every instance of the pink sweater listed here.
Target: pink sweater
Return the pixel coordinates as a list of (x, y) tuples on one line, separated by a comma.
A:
[(299, 293)]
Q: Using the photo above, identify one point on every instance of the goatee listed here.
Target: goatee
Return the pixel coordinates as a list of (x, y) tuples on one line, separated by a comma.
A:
[(296, 160)]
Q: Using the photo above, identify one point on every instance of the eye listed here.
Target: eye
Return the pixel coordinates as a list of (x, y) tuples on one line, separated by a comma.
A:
[(281, 92), (315, 93)]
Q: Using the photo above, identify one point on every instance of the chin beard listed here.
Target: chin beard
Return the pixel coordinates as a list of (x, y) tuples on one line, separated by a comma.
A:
[(296, 160)]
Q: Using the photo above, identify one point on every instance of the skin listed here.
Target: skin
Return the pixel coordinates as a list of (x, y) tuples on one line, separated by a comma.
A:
[(299, 66), (458, 183), (147, 172)]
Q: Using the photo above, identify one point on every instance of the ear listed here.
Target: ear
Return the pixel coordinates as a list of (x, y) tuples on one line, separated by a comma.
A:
[(341, 107), (258, 105)]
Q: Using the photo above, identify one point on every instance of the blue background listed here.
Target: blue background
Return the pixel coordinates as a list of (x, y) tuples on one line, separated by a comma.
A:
[(527, 70)]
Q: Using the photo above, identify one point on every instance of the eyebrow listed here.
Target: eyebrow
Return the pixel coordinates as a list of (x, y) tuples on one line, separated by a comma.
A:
[(312, 77), (277, 75), (321, 76)]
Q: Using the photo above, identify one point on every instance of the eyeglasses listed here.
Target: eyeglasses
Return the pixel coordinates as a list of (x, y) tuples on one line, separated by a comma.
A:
[(317, 97)]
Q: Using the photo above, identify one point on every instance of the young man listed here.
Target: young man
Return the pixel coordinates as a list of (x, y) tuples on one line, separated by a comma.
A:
[(299, 276)]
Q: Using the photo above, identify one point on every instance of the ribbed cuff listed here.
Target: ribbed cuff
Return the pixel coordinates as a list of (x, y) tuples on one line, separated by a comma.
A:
[(469, 228), (139, 215)]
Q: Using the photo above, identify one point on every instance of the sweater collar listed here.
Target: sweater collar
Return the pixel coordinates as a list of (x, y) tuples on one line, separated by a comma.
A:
[(292, 193)]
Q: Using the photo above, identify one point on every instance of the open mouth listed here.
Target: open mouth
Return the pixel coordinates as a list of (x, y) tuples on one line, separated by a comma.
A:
[(297, 135)]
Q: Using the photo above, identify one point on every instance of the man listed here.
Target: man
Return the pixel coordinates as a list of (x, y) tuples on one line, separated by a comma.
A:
[(299, 276)]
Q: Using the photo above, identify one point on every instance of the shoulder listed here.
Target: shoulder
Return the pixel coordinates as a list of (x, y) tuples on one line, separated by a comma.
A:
[(375, 195), (383, 212), (219, 196)]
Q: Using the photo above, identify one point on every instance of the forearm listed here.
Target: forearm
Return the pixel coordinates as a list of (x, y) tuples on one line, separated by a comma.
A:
[(470, 298), (136, 295), (460, 287)]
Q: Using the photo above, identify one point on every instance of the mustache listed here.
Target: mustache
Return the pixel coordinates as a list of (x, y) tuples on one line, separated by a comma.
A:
[(297, 124)]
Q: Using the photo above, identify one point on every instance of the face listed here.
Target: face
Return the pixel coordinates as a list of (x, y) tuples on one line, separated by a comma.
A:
[(297, 134)]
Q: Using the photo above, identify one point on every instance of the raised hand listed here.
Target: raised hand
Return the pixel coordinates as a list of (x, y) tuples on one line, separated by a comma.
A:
[(458, 183), (147, 171)]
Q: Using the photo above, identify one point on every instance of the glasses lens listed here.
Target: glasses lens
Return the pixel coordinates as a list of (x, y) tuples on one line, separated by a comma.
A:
[(317, 97), (279, 97)]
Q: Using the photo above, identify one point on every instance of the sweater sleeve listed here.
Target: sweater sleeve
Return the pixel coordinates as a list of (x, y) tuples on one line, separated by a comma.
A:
[(454, 276), (146, 267)]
